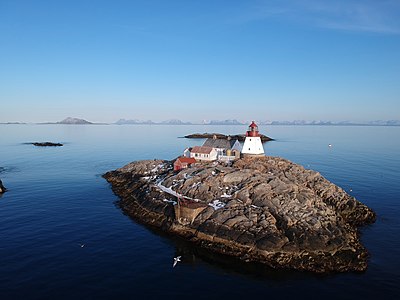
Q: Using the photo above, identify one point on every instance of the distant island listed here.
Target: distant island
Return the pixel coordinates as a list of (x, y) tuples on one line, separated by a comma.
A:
[(133, 122), (335, 123), (236, 122), (69, 121), (74, 121), (46, 144), (228, 122), (177, 122), (224, 122), (239, 137)]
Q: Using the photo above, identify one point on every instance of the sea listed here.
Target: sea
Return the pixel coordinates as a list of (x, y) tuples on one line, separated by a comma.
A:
[(62, 235)]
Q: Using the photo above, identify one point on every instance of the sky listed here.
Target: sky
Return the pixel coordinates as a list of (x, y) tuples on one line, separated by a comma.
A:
[(199, 60)]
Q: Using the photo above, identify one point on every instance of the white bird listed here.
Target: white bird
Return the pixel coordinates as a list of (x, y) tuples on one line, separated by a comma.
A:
[(330, 145), (176, 260), (82, 245)]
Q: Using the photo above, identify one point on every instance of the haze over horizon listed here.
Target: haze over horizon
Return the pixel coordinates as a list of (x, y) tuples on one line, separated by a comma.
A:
[(159, 60)]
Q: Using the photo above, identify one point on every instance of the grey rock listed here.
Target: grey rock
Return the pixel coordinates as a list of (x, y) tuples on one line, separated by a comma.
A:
[(238, 176)]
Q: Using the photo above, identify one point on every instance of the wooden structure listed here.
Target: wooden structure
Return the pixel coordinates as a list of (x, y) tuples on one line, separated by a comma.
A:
[(183, 163)]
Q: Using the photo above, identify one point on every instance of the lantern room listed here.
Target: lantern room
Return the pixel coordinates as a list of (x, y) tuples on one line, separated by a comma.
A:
[(253, 130)]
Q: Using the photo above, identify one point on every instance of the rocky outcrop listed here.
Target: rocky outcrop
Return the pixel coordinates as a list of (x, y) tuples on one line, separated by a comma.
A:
[(2, 188), (264, 209), (239, 137), (47, 144)]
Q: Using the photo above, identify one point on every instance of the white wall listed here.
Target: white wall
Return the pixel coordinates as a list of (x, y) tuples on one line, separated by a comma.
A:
[(206, 157), (186, 153), (237, 146), (253, 145)]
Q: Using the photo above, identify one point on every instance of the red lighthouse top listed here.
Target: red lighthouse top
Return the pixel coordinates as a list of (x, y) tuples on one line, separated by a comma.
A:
[(253, 130)]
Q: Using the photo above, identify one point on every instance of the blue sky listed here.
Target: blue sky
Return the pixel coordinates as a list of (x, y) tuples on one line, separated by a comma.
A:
[(195, 60)]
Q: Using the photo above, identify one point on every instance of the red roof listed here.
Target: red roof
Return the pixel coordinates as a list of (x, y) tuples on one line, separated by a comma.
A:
[(202, 149), (253, 124), (188, 160)]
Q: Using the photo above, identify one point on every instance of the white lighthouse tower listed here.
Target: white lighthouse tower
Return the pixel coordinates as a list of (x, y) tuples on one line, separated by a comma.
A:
[(252, 144)]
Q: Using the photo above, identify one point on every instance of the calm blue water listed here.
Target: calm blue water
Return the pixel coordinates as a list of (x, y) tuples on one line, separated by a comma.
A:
[(57, 200)]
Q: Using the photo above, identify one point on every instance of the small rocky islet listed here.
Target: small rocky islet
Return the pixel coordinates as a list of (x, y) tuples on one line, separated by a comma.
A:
[(46, 144), (239, 137), (2, 188), (261, 209)]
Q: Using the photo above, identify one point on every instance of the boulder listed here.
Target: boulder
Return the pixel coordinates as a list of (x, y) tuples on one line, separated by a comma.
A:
[(2, 188), (238, 176)]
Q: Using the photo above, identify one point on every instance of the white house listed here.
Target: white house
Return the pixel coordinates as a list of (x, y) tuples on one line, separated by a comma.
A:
[(203, 153), (223, 145)]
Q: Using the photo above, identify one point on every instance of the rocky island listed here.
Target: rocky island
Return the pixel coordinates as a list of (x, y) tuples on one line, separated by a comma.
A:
[(74, 121), (46, 144), (262, 209), (2, 188)]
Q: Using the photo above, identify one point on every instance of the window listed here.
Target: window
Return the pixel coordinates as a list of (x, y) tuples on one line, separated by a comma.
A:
[(250, 140), (249, 149)]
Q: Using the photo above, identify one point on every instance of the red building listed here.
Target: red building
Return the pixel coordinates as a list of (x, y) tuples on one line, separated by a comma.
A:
[(183, 162)]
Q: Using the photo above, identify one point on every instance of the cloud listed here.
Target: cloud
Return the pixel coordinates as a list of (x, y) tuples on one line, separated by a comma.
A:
[(381, 16)]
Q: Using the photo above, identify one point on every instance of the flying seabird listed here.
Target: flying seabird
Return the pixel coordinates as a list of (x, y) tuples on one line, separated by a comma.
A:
[(176, 260)]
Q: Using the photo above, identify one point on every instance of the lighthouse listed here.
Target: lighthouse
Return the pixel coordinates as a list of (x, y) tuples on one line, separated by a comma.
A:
[(252, 144)]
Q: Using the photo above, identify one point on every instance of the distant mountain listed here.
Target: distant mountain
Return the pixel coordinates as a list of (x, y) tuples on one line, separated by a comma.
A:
[(303, 122), (335, 123), (138, 122), (74, 121), (384, 123), (263, 122), (224, 122), (133, 122), (175, 122)]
